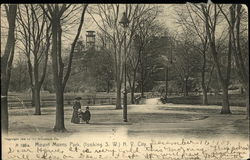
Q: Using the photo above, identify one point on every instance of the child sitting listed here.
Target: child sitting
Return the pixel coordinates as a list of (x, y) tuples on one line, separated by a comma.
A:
[(80, 115), (84, 116)]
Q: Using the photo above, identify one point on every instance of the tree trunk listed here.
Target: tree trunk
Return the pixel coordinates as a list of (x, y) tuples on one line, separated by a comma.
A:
[(247, 101), (59, 125), (37, 100), (20, 80), (32, 97), (6, 63), (142, 89), (108, 86), (224, 85), (166, 82), (210, 30), (204, 90), (132, 95), (141, 72), (142, 80), (4, 111), (133, 88), (243, 68), (225, 102), (182, 88), (186, 87), (59, 122), (203, 75), (118, 96), (60, 79), (204, 96)]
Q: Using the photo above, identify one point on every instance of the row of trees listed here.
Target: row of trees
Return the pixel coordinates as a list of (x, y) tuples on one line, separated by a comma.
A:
[(219, 34), (35, 28), (212, 39), (107, 18)]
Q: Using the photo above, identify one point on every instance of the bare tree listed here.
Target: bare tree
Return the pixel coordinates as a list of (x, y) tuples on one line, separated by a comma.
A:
[(187, 60), (210, 14), (191, 21), (58, 15), (107, 18), (6, 63), (234, 20), (35, 37), (146, 29), (109, 25), (19, 74)]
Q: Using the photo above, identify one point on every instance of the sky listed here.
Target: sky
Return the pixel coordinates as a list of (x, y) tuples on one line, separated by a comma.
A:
[(167, 18)]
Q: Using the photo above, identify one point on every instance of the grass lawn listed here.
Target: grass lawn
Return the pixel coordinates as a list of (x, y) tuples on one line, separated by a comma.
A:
[(149, 119), (146, 122)]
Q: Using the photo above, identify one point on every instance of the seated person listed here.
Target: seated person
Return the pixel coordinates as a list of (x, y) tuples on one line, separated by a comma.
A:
[(80, 115), (85, 116)]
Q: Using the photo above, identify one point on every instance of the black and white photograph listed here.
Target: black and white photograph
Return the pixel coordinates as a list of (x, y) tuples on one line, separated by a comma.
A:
[(125, 81)]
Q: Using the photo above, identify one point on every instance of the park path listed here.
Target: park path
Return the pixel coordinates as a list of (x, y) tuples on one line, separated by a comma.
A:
[(153, 101), (202, 120), (153, 105), (150, 119)]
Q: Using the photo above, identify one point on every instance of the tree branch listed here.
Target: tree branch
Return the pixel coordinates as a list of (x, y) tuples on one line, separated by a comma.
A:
[(66, 77)]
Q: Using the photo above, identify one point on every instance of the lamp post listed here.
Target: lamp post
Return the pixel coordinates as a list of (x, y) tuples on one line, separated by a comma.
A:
[(125, 22), (166, 81), (141, 59), (167, 69)]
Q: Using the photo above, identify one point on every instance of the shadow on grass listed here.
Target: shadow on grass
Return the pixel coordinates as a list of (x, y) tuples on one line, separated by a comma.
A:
[(197, 133), (164, 117), (187, 132), (241, 123)]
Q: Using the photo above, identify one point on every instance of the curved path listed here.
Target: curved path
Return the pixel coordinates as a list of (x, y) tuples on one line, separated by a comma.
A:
[(150, 119)]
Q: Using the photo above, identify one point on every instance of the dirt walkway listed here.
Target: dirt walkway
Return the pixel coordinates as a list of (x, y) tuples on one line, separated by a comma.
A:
[(150, 119)]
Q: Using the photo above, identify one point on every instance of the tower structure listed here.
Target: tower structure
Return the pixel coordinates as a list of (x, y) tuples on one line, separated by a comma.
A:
[(90, 40)]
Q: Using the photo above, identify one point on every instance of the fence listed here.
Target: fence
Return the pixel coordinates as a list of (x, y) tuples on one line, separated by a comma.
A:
[(52, 102), (16, 102)]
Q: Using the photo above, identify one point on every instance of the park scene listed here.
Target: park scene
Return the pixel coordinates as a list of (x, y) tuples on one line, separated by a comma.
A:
[(124, 73)]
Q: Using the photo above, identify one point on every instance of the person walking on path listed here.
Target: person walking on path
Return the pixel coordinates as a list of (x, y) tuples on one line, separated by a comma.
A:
[(77, 105)]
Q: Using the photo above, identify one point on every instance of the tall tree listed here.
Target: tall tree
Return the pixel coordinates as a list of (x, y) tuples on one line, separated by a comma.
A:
[(58, 14), (191, 22), (102, 70), (19, 75), (153, 59), (147, 28), (107, 18), (6, 64), (234, 20), (210, 14), (187, 60), (109, 25), (35, 37)]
